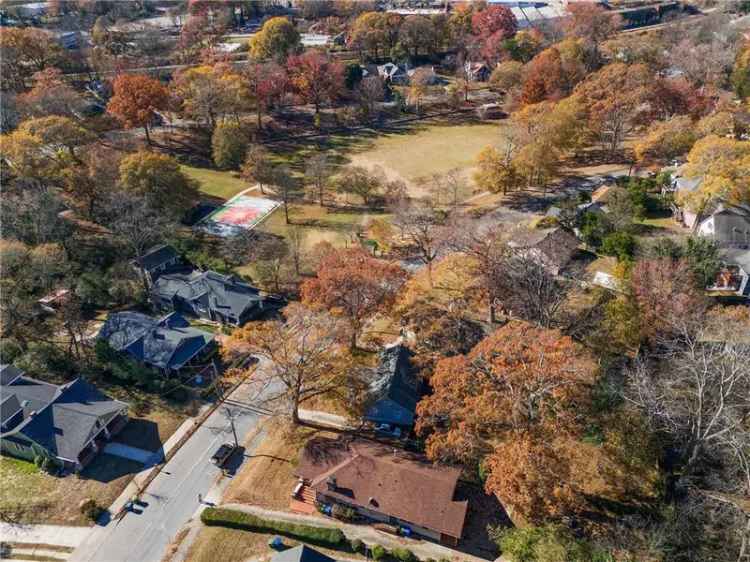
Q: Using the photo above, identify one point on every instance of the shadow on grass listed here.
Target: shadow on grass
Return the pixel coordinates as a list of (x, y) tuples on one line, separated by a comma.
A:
[(140, 433), (106, 468)]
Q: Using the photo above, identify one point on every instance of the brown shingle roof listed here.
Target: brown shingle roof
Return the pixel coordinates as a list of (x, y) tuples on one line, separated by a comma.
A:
[(381, 479), (556, 246)]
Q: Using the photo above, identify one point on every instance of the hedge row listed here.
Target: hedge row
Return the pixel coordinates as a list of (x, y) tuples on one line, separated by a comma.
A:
[(321, 536)]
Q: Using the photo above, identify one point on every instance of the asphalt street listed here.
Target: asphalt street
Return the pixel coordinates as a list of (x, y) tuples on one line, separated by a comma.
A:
[(172, 497)]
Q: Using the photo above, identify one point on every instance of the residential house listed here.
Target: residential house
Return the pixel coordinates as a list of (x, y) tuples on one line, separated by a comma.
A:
[(430, 76), (681, 187), (157, 260), (382, 484), (168, 344), (395, 390), (477, 71), (733, 280), (554, 247), (211, 296), (68, 423), (301, 553), (393, 73), (728, 226)]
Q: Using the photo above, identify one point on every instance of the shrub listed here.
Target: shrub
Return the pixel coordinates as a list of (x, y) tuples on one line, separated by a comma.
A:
[(91, 509), (343, 512), (321, 536), (228, 145), (358, 546), (620, 244), (378, 552), (404, 555)]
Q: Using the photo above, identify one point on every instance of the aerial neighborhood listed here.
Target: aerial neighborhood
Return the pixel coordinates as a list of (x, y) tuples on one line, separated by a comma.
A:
[(391, 280)]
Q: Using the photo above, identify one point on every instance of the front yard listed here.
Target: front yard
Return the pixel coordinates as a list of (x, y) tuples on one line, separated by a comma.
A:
[(28, 495)]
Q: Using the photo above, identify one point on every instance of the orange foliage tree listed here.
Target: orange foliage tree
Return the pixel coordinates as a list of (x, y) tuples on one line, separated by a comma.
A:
[(316, 77), (353, 284), (517, 391), (136, 99)]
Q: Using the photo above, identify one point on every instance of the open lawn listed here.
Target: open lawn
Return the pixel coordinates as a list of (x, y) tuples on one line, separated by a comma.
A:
[(217, 183), (53, 500)]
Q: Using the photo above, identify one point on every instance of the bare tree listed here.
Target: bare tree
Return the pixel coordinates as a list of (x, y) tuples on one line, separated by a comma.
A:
[(369, 92), (422, 228), (318, 171), (136, 224), (286, 188)]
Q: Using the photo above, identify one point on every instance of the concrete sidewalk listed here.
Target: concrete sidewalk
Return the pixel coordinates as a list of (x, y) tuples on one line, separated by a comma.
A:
[(57, 535), (367, 534)]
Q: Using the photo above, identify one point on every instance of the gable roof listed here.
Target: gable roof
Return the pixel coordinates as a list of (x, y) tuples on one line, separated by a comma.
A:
[(395, 389), (158, 255), (226, 294), (556, 246), (731, 224), (382, 479), (62, 419), (168, 342), (301, 553)]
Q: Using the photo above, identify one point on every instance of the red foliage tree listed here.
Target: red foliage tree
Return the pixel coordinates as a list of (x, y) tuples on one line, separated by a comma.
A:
[(353, 284), (267, 83), (492, 20), (316, 77), (544, 78), (136, 99)]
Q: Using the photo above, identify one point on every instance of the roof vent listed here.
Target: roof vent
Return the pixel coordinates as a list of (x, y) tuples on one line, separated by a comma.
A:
[(331, 483), (373, 502), (25, 404)]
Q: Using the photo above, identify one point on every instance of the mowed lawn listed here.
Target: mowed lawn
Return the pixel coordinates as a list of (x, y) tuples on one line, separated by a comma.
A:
[(217, 183)]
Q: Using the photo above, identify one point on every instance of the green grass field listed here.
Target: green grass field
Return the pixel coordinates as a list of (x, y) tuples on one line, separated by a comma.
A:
[(223, 184)]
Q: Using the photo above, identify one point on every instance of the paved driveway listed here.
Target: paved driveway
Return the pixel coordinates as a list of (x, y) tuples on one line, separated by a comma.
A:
[(133, 453)]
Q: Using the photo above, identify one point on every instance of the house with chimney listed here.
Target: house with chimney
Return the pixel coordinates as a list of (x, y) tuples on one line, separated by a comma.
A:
[(381, 484)]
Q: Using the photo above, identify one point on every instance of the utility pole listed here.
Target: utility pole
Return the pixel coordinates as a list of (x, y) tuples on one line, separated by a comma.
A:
[(230, 415)]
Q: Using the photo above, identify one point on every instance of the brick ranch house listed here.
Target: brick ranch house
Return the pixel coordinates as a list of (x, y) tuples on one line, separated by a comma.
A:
[(382, 484)]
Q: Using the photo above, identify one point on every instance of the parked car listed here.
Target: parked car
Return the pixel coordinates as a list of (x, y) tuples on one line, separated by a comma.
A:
[(222, 455)]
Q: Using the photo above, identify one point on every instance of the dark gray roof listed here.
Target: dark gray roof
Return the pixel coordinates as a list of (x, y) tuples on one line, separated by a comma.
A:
[(732, 225), (168, 342), (62, 419), (8, 373), (395, 389), (302, 553), (226, 294), (158, 255)]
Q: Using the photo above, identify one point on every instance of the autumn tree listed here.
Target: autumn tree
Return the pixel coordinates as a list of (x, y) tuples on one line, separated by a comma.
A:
[(257, 166), (591, 22), (615, 100), (507, 75), (370, 91), (286, 188), (228, 145), (665, 140), (316, 78), (496, 171), (90, 182), (723, 165), (416, 34), (302, 358), (26, 51), (353, 284), (518, 388), (741, 72), (277, 39), (136, 100), (57, 133), (159, 179), (544, 77), (266, 82), (210, 92), (369, 34), (318, 172), (494, 20), (50, 95)]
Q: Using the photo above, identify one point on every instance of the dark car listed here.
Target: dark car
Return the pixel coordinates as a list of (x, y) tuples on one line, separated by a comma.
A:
[(222, 455)]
